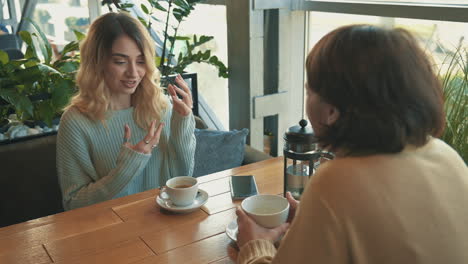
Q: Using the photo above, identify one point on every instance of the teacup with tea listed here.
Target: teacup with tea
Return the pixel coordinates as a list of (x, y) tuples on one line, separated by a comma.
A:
[(181, 190)]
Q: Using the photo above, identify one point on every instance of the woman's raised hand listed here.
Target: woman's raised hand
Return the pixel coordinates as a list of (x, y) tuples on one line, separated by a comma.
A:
[(182, 106), (149, 142)]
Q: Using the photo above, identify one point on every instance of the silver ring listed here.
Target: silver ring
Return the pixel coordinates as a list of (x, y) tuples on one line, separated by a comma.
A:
[(154, 146), (146, 142)]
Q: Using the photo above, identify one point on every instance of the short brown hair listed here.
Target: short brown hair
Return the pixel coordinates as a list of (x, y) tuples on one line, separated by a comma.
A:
[(383, 85)]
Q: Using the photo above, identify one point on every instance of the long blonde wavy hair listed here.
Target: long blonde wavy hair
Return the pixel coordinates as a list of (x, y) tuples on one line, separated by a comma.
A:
[(93, 98)]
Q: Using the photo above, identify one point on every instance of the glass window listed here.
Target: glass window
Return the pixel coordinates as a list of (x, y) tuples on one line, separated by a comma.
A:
[(58, 18), (406, 1), (210, 20), (205, 19), (439, 38), (5, 12)]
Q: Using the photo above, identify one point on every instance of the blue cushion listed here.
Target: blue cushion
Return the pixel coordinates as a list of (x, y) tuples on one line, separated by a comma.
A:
[(218, 150)]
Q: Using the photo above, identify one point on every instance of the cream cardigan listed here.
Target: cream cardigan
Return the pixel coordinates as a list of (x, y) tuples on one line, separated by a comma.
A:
[(405, 208)]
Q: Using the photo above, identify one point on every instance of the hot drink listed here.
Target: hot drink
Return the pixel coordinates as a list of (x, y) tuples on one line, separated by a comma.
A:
[(183, 186), (181, 190)]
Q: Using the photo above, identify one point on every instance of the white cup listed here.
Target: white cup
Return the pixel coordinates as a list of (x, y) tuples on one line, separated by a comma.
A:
[(181, 190), (267, 210)]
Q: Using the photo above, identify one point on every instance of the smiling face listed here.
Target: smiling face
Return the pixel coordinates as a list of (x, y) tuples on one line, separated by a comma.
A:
[(124, 69)]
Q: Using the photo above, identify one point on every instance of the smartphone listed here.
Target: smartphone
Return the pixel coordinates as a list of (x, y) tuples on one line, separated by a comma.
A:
[(243, 186)]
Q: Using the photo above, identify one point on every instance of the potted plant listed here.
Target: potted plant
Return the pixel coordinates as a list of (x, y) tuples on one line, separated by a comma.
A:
[(170, 14), (36, 88), (454, 79)]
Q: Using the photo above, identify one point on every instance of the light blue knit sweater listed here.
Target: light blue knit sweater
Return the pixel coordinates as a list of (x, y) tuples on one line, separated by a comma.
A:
[(94, 166)]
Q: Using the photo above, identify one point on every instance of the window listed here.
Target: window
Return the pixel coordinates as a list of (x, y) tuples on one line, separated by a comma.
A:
[(58, 18), (210, 20), (445, 2), (439, 38)]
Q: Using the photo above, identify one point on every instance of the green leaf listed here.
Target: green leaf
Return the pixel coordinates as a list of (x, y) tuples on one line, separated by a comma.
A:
[(71, 46), (4, 59), (17, 63), (45, 112), (207, 55), (182, 4), (79, 36), (213, 59), (204, 39), (26, 37), (125, 6), (142, 20), (145, 9), (47, 70), (31, 62), (30, 53), (157, 60), (62, 90), (28, 75), (182, 38), (20, 102), (156, 19), (45, 47), (68, 66), (158, 6), (178, 13)]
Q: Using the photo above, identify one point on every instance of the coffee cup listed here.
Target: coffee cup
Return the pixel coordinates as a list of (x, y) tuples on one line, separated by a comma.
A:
[(267, 210), (181, 190)]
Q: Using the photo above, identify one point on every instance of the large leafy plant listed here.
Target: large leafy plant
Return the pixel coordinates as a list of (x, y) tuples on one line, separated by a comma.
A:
[(170, 14), (454, 79), (36, 88)]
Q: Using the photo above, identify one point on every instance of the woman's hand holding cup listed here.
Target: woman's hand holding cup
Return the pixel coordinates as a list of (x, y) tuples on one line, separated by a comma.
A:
[(262, 217)]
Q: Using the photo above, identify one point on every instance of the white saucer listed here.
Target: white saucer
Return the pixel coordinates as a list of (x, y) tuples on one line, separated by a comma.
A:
[(231, 230), (200, 200)]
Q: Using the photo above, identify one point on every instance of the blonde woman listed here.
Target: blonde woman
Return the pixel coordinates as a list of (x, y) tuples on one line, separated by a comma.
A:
[(120, 134)]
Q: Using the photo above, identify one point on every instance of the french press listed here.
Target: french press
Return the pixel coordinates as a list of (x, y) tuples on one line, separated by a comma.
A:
[(301, 158)]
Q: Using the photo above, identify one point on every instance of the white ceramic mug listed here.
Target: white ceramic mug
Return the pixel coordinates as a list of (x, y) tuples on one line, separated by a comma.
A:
[(181, 190), (267, 210)]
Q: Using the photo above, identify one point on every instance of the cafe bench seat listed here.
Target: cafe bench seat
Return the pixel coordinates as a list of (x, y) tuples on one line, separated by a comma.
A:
[(29, 181)]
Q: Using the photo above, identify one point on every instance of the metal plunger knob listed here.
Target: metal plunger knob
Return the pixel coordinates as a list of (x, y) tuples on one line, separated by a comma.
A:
[(303, 123)]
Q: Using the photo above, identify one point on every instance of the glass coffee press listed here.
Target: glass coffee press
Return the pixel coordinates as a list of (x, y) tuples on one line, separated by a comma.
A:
[(301, 158)]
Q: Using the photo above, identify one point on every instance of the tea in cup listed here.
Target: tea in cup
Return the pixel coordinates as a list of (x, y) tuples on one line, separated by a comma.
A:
[(267, 210), (181, 190)]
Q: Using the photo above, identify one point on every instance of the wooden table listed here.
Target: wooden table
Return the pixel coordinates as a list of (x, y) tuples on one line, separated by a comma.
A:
[(133, 229)]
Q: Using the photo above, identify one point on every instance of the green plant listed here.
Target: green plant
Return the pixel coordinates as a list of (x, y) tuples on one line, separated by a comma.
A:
[(455, 86), (37, 88), (173, 13)]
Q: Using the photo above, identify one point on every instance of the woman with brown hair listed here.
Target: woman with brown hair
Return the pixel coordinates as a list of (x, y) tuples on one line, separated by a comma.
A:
[(395, 193), (121, 135)]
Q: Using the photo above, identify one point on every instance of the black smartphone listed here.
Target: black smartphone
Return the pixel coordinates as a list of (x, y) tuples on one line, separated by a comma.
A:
[(243, 186)]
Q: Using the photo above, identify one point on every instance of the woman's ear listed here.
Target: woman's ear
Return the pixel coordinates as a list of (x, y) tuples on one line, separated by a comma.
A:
[(332, 114)]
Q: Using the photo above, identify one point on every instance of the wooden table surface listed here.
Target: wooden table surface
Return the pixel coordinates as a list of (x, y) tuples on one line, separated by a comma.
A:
[(134, 229)]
